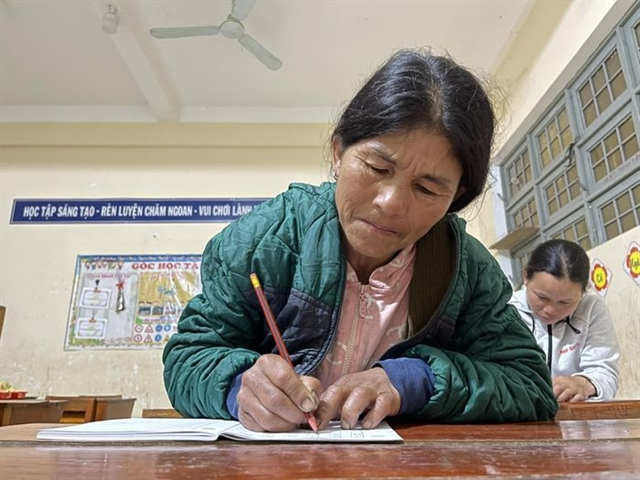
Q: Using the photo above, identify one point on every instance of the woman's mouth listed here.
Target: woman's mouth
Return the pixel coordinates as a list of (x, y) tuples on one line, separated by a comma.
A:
[(380, 228)]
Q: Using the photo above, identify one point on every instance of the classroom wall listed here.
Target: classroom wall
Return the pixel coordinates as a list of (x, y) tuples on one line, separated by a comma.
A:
[(131, 161), (166, 161), (557, 39), (623, 299)]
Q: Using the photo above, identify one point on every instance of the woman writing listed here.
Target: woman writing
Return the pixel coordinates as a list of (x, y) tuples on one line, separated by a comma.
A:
[(575, 330), (387, 307)]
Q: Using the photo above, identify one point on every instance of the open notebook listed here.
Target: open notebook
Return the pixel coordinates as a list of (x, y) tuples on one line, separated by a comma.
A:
[(199, 429)]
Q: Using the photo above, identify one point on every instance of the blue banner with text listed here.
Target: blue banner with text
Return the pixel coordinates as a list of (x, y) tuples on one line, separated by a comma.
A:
[(173, 210)]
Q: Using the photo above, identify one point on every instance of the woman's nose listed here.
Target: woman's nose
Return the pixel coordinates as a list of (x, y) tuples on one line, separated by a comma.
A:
[(392, 199)]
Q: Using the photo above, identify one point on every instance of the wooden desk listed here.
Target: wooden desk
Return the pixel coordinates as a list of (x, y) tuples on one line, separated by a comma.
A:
[(591, 449), (76, 409), (599, 410), (160, 413), (89, 408), (14, 412), (3, 310), (108, 408)]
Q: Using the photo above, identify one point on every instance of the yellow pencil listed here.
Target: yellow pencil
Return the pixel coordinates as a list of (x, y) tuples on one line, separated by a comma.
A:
[(266, 309)]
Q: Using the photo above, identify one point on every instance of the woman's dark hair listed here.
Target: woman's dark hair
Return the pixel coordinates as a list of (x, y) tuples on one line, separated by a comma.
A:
[(416, 89), (562, 259)]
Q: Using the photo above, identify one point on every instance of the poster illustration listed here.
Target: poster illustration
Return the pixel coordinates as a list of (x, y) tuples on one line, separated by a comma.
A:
[(632, 262), (600, 277), (129, 301)]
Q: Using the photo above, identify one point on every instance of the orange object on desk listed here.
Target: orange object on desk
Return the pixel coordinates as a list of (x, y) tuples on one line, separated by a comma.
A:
[(13, 395)]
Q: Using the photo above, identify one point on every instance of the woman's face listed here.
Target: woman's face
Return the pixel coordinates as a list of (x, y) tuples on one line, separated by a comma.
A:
[(550, 298), (390, 191)]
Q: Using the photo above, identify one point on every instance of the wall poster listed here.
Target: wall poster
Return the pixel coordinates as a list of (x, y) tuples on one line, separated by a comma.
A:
[(129, 301)]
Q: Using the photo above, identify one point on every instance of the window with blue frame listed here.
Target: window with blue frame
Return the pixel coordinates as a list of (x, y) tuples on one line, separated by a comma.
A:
[(576, 173)]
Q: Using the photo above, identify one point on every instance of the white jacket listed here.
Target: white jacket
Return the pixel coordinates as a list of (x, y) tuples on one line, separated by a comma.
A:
[(584, 345)]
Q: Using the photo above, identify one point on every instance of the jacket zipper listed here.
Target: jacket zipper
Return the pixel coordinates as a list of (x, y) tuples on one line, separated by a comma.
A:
[(360, 311), (575, 330)]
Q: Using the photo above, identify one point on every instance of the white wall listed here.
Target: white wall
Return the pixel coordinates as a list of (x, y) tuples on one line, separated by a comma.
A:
[(107, 161), (623, 299)]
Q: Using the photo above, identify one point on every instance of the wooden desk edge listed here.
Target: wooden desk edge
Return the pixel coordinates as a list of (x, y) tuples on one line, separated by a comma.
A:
[(553, 433), (612, 409)]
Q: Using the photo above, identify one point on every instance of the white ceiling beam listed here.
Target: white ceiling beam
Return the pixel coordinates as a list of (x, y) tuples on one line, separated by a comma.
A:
[(133, 44)]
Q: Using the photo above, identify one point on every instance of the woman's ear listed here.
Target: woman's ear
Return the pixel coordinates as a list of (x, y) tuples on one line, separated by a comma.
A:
[(525, 280), (336, 156)]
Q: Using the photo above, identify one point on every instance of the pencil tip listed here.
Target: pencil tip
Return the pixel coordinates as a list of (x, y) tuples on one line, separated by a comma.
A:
[(313, 423)]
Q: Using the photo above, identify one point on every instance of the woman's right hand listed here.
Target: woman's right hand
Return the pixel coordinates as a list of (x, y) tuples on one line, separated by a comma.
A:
[(273, 397)]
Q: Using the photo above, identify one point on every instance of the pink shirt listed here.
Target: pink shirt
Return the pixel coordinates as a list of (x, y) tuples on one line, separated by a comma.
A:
[(373, 318)]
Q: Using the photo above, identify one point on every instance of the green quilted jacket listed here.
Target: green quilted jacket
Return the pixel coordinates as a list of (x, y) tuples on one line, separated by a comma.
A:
[(487, 365)]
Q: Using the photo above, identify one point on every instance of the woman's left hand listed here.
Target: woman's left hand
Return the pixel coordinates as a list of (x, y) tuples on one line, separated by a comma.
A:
[(572, 389), (369, 391)]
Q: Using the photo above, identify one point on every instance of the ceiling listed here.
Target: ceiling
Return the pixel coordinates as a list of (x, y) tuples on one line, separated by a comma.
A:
[(57, 64)]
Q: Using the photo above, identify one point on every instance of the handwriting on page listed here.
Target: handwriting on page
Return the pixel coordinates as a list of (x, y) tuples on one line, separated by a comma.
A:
[(333, 433)]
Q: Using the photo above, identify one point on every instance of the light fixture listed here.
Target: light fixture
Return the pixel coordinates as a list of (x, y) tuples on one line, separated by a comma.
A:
[(110, 19)]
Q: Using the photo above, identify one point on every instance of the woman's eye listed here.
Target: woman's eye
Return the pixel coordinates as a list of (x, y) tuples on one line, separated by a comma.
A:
[(377, 169), (424, 190)]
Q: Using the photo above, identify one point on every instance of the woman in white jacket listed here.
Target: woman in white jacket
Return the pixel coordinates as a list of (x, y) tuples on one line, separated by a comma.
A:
[(574, 329)]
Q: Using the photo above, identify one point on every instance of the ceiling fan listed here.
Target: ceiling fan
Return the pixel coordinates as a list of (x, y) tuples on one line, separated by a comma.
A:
[(231, 28)]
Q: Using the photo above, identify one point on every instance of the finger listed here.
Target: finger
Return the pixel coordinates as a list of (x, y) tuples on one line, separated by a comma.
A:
[(314, 387), (278, 403), (280, 374), (248, 421), (578, 397), (263, 386), (564, 396), (257, 418), (384, 406), (356, 403), (558, 389), (330, 405), (323, 415)]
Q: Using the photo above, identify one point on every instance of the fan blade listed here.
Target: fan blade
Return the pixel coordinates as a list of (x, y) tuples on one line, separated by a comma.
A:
[(261, 53), (179, 32), (241, 8)]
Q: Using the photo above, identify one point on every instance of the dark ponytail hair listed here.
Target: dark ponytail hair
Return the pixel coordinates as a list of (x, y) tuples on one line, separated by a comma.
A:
[(562, 259)]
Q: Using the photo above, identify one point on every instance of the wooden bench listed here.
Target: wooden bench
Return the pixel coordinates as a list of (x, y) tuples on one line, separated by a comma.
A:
[(16, 412)]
